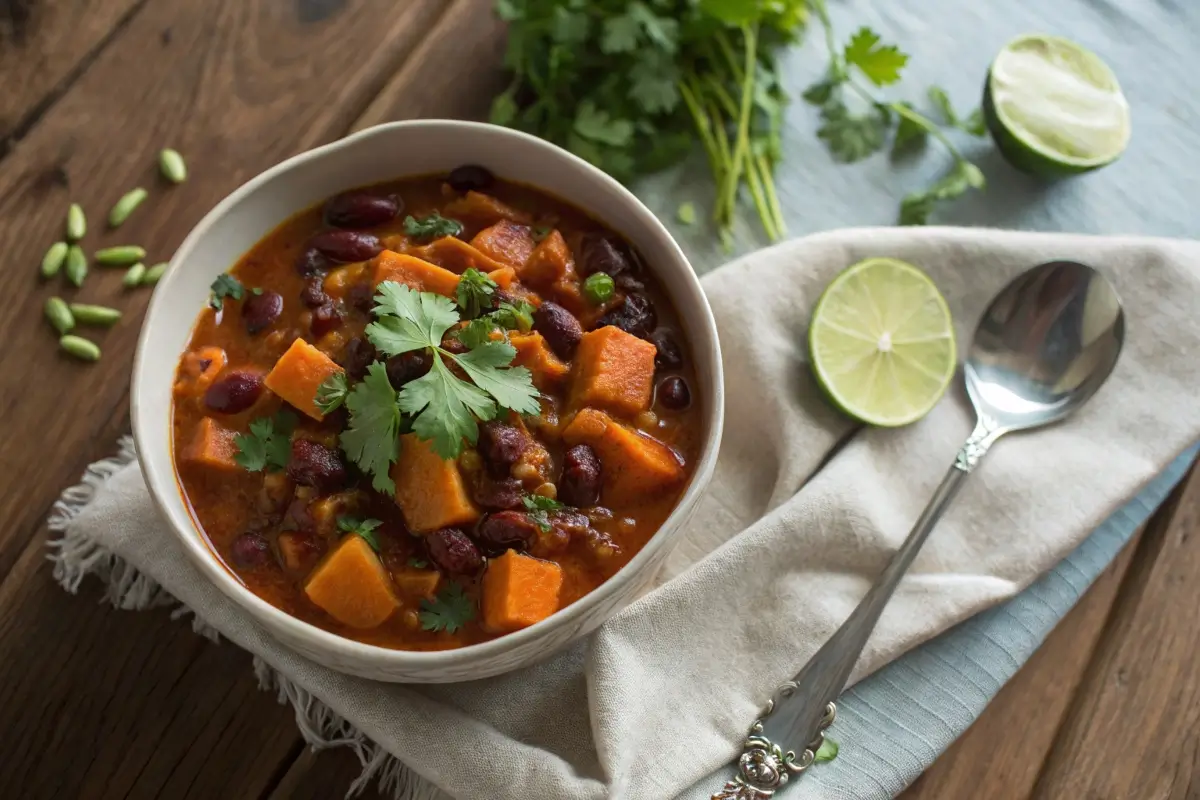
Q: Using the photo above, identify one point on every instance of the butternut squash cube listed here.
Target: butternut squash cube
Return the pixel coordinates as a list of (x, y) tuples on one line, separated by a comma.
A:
[(417, 582), (550, 261), (519, 591), (352, 586), (479, 210), (505, 242), (535, 355), (298, 374), (614, 370), (503, 277), (212, 446), (414, 273), (430, 490), (632, 464), (455, 255)]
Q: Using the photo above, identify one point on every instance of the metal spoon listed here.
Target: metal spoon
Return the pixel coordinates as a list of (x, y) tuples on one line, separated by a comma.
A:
[(1044, 346)]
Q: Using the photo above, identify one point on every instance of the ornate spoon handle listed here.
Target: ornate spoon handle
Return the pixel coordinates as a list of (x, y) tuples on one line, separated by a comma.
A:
[(802, 708)]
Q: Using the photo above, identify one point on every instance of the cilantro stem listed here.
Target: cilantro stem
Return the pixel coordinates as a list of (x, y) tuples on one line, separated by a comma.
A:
[(760, 203), (764, 167), (926, 124), (742, 143), (704, 127)]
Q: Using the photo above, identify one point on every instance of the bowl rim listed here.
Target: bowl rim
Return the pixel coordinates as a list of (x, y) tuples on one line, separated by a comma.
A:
[(163, 483)]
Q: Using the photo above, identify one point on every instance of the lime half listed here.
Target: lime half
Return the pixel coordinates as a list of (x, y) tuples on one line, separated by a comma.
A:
[(882, 342), (1054, 108)]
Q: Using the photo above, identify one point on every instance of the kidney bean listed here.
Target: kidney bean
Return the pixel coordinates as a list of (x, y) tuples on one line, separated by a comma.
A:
[(361, 210), (312, 262), (491, 493), (571, 522), (453, 552), (508, 529), (636, 316), (234, 392), (670, 354), (362, 297), (346, 246), (260, 310), (250, 550), (673, 393), (501, 445), (297, 517), (559, 327), (358, 355), (325, 318), (316, 465), (579, 485), (599, 253), (313, 294), (407, 367), (470, 177)]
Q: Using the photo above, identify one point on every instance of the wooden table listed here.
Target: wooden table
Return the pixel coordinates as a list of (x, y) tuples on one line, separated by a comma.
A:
[(103, 703)]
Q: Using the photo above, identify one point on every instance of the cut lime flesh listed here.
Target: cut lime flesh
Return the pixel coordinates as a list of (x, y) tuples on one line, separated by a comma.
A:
[(882, 342), (1054, 108)]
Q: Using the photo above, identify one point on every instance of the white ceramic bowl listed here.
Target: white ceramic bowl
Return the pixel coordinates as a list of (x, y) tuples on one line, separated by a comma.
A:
[(383, 153)]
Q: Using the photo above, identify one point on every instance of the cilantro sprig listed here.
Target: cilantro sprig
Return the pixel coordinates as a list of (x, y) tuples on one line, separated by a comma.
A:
[(268, 445), (449, 611), (434, 226), (225, 286), (370, 438), (476, 292), (360, 527), (538, 509), (866, 63), (331, 394)]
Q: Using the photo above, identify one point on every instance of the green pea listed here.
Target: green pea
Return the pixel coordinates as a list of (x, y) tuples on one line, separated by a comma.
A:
[(134, 275), (94, 315), (53, 260), (77, 266), (76, 223), (120, 256), (172, 166), (79, 347), (59, 314), (125, 206)]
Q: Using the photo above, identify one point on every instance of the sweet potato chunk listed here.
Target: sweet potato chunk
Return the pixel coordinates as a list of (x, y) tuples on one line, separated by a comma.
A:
[(297, 375), (479, 210), (614, 370), (503, 277), (632, 464), (429, 490), (417, 583), (455, 255), (212, 446), (550, 261), (414, 273), (198, 370), (505, 242), (535, 355), (519, 591), (352, 585)]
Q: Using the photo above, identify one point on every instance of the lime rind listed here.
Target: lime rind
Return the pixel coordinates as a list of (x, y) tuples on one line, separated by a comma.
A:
[(1054, 107), (872, 300)]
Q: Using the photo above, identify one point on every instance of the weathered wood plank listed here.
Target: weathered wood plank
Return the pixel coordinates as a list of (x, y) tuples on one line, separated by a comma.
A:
[(240, 85), (44, 46), (319, 775), (1004, 750), (1134, 727)]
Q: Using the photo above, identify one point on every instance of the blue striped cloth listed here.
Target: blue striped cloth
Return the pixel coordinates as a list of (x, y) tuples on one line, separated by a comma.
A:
[(899, 720)]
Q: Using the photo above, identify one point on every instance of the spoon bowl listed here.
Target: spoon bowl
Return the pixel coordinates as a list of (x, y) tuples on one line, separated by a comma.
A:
[(1044, 345)]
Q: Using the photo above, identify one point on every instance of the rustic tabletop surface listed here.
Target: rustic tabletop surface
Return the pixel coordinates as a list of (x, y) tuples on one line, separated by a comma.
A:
[(101, 703)]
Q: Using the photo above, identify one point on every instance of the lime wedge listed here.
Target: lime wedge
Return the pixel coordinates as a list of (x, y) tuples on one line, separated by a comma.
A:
[(1054, 108), (882, 342)]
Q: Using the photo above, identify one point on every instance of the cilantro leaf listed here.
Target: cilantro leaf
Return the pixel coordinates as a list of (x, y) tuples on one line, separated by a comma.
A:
[(569, 27), (661, 31), (504, 109), (370, 440), (910, 136), (360, 527), (538, 507), (512, 387), (852, 137), (620, 35), (331, 393), (599, 287), (734, 12), (822, 91), (827, 751), (449, 611), (225, 286), (268, 445), (917, 206), (476, 332), (445, 409), (973, 124), (655, 85), (409, 320), (516, 316), (881, 64), (434, 226), (475, 292), (599, 126)]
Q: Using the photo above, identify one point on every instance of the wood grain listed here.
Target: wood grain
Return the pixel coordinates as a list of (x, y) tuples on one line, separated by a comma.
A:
[(323, 774), (1134, 729), (44, 46), (1003, 750)]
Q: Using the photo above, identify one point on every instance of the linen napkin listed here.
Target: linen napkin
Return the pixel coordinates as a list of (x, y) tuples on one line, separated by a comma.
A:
[(783, 547)]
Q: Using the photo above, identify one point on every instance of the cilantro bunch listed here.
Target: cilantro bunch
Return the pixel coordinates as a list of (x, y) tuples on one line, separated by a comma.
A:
[(853, 136), (445, 405), (630, 85)]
